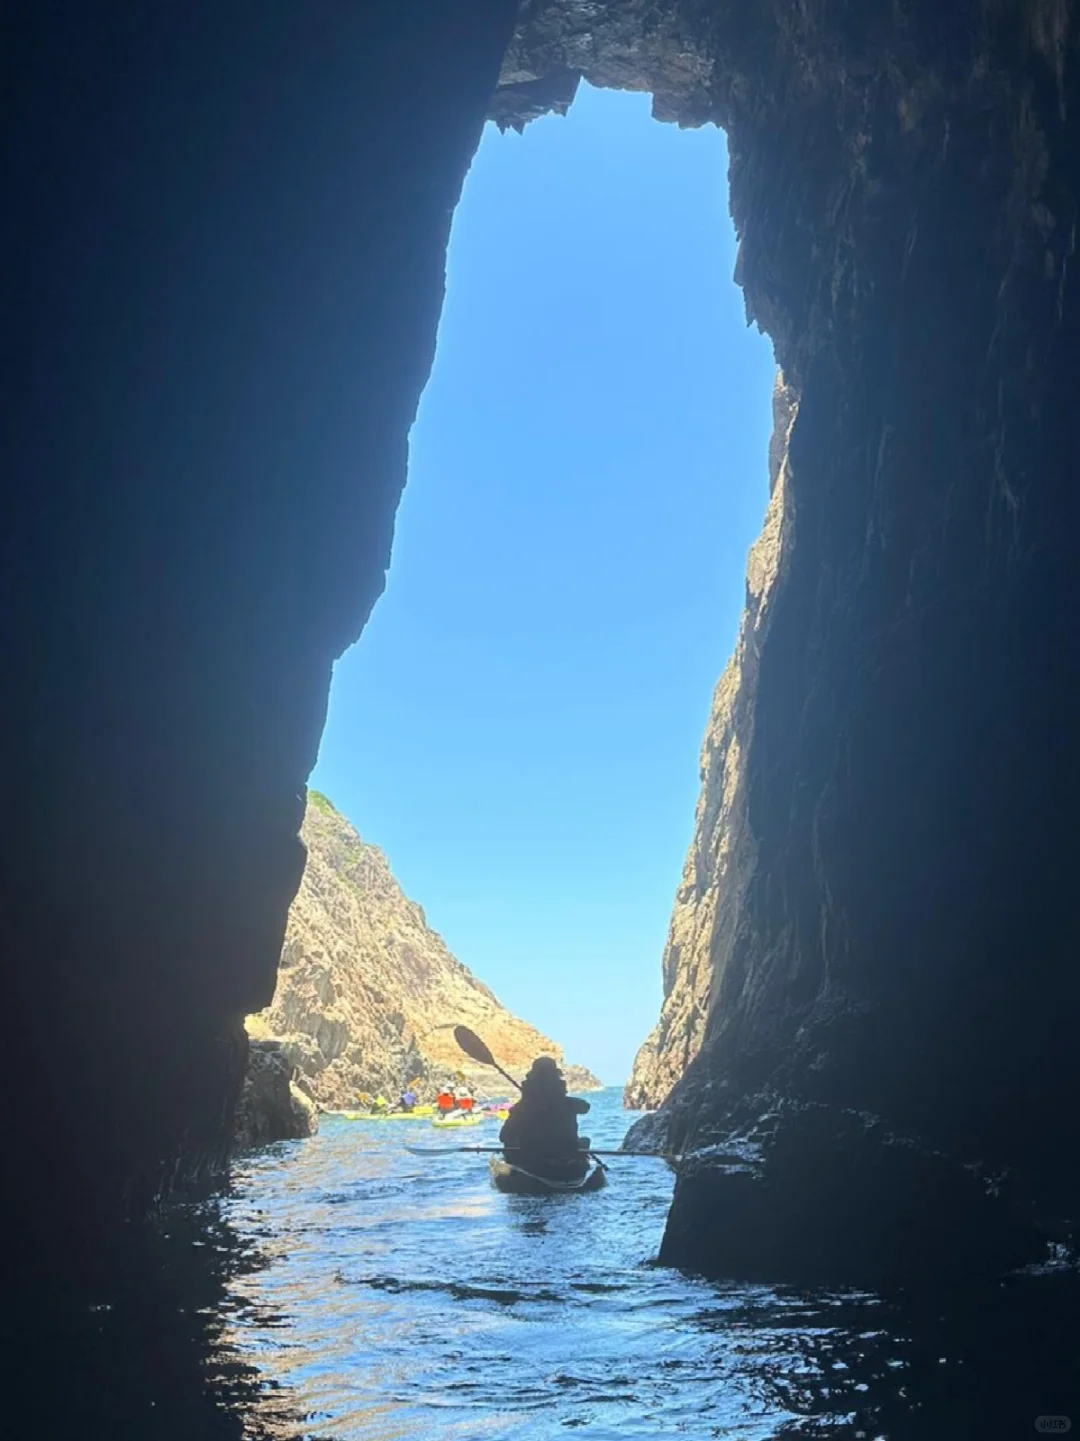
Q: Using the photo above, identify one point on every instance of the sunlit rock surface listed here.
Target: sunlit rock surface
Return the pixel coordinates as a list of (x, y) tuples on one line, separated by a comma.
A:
[(368, 994), (721, 858)]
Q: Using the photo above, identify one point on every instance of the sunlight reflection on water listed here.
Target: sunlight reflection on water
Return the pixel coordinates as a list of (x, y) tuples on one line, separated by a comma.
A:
[(394, 1298), (422, 1303), (341, 1291)]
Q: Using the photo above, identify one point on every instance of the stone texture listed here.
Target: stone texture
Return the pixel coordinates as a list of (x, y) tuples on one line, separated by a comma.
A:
[(271, 1108), (721, 858), (826, 1196), (367, 992)]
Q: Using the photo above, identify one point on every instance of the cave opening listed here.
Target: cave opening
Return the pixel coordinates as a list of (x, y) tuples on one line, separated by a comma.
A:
[(227, 269), (520, 723)]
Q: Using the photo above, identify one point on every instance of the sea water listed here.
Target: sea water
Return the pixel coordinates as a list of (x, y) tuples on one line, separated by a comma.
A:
[(400, 1296), (346, 1288)]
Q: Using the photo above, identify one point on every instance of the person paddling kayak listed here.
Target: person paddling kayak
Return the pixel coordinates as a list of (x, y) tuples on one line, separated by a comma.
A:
[(541, 1131)]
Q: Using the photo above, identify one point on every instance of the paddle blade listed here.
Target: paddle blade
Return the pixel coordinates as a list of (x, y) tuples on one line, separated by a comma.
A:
[(473, 1046)]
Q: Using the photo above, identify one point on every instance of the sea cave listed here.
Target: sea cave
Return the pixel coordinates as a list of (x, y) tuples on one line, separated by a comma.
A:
[(226, 239)]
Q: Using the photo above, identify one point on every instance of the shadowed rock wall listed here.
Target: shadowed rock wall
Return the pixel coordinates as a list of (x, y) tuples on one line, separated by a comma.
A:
[(225, 230), (270, 1106), (896, 988)]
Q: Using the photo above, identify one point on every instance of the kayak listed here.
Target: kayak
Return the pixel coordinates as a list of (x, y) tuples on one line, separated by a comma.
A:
[(418, 1113), (421, 1113), (465, 1118), (516, 1181)]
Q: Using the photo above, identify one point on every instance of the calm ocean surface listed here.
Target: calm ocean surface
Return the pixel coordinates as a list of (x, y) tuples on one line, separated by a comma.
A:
[(344, 1288), (391, 1296)]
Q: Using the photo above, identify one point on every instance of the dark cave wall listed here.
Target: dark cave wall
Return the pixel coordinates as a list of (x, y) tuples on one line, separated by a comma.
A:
[(912, 771), (898, 994), (224, 236), (908, 946), (225, 232)]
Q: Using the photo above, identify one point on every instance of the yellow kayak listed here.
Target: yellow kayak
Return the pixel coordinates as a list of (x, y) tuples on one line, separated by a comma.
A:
[(418, 1113), (466, 1118)]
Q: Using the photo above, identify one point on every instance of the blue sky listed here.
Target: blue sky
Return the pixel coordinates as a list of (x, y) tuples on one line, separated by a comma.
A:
[(519, 726)]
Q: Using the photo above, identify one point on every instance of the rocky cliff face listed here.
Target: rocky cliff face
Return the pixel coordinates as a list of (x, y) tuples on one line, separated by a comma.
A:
[(721, 858), (367, 993), (892, 990)]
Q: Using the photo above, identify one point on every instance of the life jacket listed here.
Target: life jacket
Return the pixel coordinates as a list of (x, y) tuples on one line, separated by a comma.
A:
[(445, 1101), (465, 1103)]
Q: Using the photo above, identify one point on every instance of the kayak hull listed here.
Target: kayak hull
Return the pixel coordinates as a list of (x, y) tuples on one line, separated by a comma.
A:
[(453, 1123), (421, 1113), (516, 1181), (418, 1113)]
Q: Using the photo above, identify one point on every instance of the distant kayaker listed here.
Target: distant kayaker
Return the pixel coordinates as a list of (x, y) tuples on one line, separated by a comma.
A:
[(542, 1126), (408, 1100), (465, 1103), (446, 1102)]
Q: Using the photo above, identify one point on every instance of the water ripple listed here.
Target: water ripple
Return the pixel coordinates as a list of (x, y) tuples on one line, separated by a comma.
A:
[(384, 1299)]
